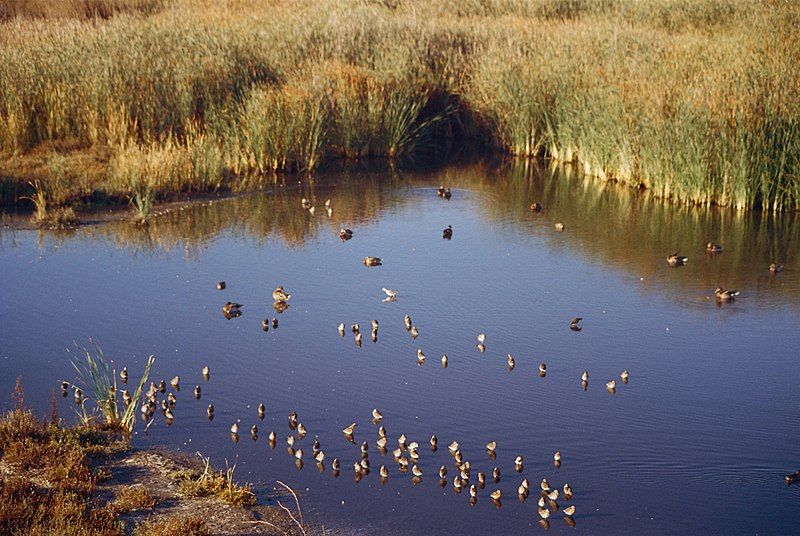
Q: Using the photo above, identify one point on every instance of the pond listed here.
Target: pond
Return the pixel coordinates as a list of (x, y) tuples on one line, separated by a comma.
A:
[(698, 440)]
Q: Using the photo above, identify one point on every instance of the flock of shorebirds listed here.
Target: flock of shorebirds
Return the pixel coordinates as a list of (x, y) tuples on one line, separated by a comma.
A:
[(406, 455)]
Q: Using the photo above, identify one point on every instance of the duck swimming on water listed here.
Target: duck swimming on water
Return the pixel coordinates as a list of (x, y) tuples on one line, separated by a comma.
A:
[(372, 261), (725, 295), (676, 260), (447, 234)]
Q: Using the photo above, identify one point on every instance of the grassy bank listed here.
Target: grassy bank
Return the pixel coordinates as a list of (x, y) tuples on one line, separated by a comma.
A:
[(695, 101), (56, 479)]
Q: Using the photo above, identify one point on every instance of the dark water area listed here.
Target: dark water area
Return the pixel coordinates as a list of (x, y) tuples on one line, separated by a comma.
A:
[(698, 441)]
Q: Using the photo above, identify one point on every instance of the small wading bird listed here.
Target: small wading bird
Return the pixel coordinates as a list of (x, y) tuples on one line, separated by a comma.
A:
[(280, 295), (725, 295), (676, 260)]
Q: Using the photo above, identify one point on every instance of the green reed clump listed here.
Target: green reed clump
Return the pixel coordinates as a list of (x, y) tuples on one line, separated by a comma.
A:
[(99, 379)]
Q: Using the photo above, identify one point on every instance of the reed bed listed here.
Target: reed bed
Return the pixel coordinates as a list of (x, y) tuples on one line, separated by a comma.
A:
[(694, 101)]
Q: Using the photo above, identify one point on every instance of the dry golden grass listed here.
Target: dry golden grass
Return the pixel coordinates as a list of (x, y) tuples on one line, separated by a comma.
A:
[(695, 101)]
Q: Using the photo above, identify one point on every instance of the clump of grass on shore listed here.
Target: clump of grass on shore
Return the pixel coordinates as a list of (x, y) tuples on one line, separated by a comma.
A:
[(216, 483), (694, 101)]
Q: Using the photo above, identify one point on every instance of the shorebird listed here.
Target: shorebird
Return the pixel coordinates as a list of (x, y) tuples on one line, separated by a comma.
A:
[(349, 429), (389, 292)]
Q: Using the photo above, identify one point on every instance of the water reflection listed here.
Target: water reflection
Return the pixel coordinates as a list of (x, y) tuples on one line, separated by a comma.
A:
[(612, 225)]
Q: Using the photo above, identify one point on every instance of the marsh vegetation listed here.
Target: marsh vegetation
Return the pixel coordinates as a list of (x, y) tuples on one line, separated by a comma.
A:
[(142, 100)]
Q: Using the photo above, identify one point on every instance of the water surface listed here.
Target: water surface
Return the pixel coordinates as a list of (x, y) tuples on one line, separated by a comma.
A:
[(697, 442)]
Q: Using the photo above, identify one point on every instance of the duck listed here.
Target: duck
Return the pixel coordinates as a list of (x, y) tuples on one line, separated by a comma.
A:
[(624, 375), (544, 484), (377, 415), (518, 463), (123, 374), (473, 491), (348, 430), (481, 347), (280, 295), (552, 494), (440, 191), (557, 456), (176, 383), (442, 471), (235, 428), (444, 361), (574, 324), (301, 430), (447, 234), (481, 479), (491, 446), (510, 361), (611, 385), (536, 206), (775, 268), (126, 397), (372, 261), (210, 409), (407, 322), (414, 332), (390, 294), (305, 203), (416, 471), (725, 295), (274, 323), (341, 329), (221, 285), (453, 447), (364, 446), (496, 494), (792, 477), (381, 442), (447, 193), (293, 420), (496, 474), (327, 203), (569, 511), (676, 260), (559, 226), (542, 369), (197, 392), (567, 492), (271, 436), (335, 464), (383, 471), (345, 234), (312, 210), (381, 431), (265, 325), (298, 454), (522, 492), (420, 356), (206, 372), (711, 247), (319, 456), (358, 339), (231, 308), (481, 337), (169, 415), (434, 442), (585, 376), (254, 430)]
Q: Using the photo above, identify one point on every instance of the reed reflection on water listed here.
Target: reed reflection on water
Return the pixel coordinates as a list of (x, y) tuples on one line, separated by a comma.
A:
[(707, 412)]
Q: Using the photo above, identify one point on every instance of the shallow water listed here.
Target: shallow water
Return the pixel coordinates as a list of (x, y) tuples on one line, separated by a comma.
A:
[(697, 442)]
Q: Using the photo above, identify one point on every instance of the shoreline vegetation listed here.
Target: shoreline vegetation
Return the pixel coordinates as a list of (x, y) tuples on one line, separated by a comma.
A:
[(87, 479), (141, 101)]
